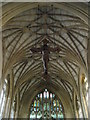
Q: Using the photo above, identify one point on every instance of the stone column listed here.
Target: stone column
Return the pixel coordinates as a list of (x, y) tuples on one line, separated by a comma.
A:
[(18, 103), (6, 102), (11, 90), (5, 114), (1, 52), (88, 61), (42, 107)]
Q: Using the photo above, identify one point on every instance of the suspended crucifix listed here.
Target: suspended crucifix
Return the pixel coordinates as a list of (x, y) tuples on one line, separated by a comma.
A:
[(45, 50)]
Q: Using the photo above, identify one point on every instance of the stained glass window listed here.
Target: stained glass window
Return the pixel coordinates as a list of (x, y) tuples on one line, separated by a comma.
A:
[(46, 105)]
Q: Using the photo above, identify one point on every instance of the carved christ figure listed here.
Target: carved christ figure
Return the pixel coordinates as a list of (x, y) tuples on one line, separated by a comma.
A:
[(45, 51)]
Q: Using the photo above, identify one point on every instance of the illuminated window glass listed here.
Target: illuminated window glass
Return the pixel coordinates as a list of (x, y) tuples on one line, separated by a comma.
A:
[(44, 106)]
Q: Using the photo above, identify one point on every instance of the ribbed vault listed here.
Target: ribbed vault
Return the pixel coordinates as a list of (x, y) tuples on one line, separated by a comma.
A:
[(61, 28)]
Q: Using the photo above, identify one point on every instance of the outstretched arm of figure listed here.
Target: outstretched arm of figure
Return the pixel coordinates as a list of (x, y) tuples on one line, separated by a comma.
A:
[(36, 49), (55, 49)]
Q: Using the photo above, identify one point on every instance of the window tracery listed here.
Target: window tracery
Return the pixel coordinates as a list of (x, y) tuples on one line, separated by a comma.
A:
[(46, 105)]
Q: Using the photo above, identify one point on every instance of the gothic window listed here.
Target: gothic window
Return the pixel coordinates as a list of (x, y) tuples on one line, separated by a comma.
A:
[(46, 105)]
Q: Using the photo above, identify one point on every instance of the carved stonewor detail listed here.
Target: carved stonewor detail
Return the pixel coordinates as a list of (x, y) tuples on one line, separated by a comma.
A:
[(45, 50)]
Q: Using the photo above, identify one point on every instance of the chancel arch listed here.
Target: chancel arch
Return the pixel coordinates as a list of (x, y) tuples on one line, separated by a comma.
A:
[(61, 94)]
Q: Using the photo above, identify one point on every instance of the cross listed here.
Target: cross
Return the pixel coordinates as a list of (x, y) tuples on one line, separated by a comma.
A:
[(45, 51)]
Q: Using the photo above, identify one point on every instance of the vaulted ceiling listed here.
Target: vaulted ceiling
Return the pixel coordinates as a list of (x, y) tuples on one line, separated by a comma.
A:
[(28, 29)]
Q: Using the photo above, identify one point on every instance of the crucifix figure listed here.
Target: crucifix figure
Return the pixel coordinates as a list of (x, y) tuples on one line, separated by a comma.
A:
[(45, 51)]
